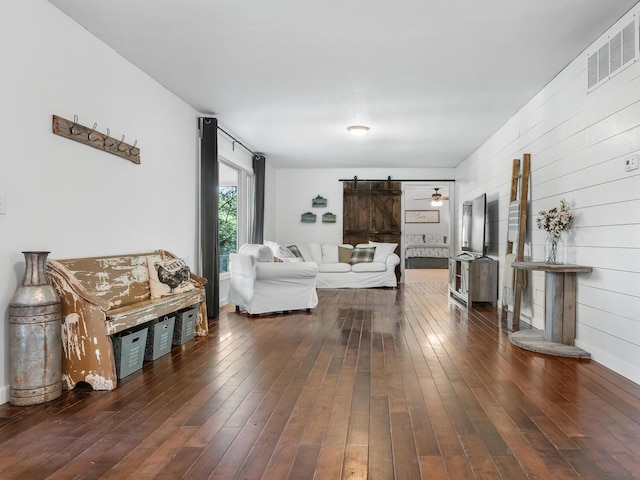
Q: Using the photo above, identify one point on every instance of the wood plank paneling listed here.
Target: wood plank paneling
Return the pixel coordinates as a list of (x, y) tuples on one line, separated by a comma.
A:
[(578, 143)]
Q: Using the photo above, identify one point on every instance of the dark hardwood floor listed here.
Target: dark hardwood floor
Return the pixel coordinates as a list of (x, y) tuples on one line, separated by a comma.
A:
[(377, 384)]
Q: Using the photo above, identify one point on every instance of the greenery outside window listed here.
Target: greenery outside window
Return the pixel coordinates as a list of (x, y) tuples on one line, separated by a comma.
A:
[(234, 211)]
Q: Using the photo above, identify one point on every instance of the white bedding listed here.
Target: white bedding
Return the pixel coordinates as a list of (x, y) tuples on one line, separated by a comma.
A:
[(426, 246), (427, 251)]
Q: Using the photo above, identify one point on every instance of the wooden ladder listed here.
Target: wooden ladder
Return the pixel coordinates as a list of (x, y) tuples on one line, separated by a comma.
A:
[(517, 223)]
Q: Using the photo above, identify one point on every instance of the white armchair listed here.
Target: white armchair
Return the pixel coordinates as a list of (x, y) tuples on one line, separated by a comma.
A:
[(267, 286)]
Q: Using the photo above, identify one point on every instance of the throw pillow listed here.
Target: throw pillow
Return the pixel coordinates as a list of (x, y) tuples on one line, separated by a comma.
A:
[(362, 255), (262, 252), (284, 252), (293, 249), (330, 253), (383, 250), (279, 251), (168, 277), (414, 239), (344, 254)]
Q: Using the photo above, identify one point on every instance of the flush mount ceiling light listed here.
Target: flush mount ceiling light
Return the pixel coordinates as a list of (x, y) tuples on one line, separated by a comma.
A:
[(358, 130)]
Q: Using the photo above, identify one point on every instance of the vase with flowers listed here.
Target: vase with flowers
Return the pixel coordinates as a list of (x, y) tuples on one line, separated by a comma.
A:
[(554, 221)]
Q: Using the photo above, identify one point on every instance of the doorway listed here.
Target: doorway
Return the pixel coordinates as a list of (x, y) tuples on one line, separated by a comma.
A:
[(428, 226)]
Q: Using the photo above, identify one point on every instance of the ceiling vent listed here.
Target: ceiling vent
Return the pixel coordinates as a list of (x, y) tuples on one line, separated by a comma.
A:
[(619, 51)]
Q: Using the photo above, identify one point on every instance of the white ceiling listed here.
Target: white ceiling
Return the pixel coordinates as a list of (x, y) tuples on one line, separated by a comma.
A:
[(432, 78)]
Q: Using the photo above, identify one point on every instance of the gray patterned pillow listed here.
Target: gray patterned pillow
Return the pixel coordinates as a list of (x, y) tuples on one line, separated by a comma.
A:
[(362, 255), (284, 252)]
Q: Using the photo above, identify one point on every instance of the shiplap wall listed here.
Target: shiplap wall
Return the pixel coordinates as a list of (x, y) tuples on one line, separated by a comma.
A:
[(578, 144)]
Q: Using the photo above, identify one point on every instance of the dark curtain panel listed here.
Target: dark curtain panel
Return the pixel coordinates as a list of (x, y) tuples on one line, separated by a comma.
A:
[(209, 212), (257, 233)]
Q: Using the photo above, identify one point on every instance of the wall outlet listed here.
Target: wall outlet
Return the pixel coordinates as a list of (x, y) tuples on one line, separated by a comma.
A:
[(631, 163), (3, 204)]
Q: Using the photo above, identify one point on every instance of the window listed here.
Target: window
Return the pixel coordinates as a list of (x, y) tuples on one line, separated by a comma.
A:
[(234, 210)]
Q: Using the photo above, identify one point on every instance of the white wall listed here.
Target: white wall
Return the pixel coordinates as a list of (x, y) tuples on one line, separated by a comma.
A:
[(578, 143), (69, 198), (296, 187)]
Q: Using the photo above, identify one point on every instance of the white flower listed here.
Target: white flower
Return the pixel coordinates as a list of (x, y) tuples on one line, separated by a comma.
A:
[(556, 220)]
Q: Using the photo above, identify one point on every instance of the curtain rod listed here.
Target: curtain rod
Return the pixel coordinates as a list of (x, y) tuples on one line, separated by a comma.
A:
[(389, 179), (235, 140)]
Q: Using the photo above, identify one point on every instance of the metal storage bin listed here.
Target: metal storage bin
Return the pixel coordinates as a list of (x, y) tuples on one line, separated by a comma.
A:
[(128, 349), (185, 328), (159, 338)]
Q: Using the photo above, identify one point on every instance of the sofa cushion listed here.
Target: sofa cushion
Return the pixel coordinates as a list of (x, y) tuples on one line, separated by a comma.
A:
[(334, 267), (362, 255), (369, 267), (331, 253), (344, 253), (383, 250), (311, 251)]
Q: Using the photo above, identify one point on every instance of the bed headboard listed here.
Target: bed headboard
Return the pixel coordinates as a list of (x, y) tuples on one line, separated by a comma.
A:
[(425, 239)]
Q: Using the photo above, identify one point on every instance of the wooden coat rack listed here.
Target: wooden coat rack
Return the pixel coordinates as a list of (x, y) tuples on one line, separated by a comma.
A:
[(517, 223), (89, 136)]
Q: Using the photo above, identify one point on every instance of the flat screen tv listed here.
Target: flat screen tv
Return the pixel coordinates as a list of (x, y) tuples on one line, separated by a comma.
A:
[(474, 216)]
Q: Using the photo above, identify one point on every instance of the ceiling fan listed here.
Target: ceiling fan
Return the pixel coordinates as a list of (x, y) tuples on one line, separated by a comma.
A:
[(436, 198)]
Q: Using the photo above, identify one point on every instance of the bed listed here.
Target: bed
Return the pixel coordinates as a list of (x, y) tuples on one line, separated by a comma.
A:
[(426, 251)]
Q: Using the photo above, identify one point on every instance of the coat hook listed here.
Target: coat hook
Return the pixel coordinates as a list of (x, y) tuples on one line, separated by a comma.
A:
[(110, 144), (92, 130), (73, 129), (121, 142), (134, 148)]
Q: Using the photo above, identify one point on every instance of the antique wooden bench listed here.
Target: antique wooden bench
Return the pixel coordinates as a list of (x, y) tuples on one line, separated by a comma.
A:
[(106, 295)]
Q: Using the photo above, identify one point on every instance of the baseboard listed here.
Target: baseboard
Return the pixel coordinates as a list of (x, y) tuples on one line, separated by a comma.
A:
[(4, 394), (630, 372)]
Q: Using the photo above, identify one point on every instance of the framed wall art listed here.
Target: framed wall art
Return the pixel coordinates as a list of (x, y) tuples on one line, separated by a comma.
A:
[(422, 216)]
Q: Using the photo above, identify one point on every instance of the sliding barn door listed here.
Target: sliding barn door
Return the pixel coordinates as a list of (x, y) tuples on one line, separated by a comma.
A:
[(372, 211)]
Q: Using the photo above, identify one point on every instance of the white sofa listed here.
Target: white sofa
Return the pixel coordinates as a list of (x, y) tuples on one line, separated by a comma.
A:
[(335, 274), (260, 285)]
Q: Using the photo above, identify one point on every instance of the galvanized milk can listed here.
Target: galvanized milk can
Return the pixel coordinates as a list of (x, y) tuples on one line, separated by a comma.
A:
[(35, 354)]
